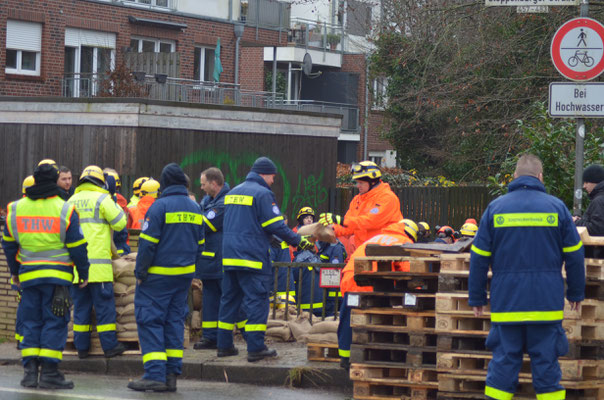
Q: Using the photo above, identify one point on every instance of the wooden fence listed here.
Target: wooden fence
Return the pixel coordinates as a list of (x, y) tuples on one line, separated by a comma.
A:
[(434, 205)]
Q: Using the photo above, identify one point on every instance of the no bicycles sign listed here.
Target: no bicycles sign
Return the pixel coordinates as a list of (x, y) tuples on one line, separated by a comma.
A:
[(578, 49)]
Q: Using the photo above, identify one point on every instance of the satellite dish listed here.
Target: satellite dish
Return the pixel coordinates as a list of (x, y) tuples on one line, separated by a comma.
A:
[(307, 64)]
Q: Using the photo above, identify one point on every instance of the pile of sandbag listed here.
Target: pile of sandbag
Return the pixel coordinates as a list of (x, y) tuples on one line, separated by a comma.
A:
[(322, 332), (196, 291), (299, 328), (124, 287)]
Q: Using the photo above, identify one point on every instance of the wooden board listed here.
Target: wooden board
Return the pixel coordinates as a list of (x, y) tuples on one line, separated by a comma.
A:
[(399, 281), (388, 355), (393, 374), (393, 320), (361, 336), (326, 352), (409, 301), (400, 391), (384, 263)]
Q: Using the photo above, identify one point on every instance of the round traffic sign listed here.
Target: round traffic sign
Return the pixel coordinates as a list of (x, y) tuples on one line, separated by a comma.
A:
[(578, 49)]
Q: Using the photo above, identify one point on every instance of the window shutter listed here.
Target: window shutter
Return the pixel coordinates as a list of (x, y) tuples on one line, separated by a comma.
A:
[(83, 37), (21, 35)]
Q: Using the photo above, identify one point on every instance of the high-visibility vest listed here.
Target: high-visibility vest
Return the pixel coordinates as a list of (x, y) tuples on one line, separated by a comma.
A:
[(98, 215), (40, 227)]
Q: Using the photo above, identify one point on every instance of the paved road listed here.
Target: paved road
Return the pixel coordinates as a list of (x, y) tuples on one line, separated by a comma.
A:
[(103, 387)]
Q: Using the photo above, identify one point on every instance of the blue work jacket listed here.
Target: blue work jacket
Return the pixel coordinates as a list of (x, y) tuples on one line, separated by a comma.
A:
[(251, 217), (213, 216), (171, 239), (525, 236)]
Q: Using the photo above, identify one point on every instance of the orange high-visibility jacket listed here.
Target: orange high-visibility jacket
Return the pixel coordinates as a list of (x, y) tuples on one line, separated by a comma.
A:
[(369, 213), (137, 213), (392, 235)]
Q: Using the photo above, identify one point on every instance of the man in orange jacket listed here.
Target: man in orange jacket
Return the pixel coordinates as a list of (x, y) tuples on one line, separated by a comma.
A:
[(375, 207), (404, 231), (149, 193)]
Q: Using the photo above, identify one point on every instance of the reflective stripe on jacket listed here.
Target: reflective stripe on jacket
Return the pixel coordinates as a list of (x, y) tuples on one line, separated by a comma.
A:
[(98, 215), (526, 236)]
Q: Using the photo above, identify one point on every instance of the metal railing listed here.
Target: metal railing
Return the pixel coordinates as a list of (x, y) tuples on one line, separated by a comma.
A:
[(266, 14), (298, 268), (162, 87), (316, 34), (349, 112)]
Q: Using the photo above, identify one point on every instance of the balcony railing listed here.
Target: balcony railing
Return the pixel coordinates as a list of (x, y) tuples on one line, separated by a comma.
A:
[(266, 13), (316, 34), (161, 87)]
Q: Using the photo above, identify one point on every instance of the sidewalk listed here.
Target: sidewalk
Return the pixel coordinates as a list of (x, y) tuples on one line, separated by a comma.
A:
[(290, 367)]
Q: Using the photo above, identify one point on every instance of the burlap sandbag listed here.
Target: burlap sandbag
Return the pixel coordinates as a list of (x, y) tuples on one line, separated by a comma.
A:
[(324, 327), (275, 323), (300, 326), (127, 280), (127, 319), (128, 309), (122, 267), (318, 232), (130, 257), (121, 301), (119, 289), (127, 335), (196, 320), (282, 333), (330, 337)]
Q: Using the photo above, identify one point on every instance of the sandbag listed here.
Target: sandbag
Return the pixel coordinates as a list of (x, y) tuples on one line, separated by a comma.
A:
[(195, 320), (127, 335), (127, 280), (120, 289), (330, 337), (282, 333), (300, 326), (127, 319), (324, 327), (124, 300), (122, 267), (318, 232), (127, 310), (275, 323)]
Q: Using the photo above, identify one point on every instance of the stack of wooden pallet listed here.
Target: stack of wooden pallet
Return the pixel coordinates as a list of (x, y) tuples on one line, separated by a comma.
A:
[(394, 352), (416, 337)]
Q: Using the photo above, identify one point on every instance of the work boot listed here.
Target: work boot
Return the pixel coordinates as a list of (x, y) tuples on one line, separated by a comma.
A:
[(52, 378), (345, 363), (30, 378), (82, 354), (227, 352), (116, 351), (171, 382), (259, 355), (205, 344), (144, 385)]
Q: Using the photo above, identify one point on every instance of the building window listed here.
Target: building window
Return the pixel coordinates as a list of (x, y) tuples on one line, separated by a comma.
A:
[(203, 64), (23, 47), (153, 3), (89, 57), (150, 45), (380, 95)]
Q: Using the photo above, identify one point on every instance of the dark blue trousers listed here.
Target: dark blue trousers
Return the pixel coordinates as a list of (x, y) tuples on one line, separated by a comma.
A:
[(160, 306), (211, 293), (344, 329), (246, 292), (544, 343), (44, 334), (100, 296)]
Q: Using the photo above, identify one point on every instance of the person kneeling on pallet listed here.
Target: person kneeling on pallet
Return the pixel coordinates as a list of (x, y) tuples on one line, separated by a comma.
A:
[(42, 240), (404, 231)]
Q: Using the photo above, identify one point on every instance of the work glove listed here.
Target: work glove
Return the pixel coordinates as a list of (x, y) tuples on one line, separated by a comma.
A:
[(329, 219), (61, 301), (305, 243)]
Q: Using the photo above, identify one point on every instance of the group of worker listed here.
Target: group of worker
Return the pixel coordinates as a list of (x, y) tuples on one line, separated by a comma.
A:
[(230, 240)]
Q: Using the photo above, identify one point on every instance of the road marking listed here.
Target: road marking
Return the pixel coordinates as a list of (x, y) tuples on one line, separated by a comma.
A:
[(60, 394)]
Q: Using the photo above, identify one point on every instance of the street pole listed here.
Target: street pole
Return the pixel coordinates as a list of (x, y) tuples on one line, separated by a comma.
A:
[(579, 143)]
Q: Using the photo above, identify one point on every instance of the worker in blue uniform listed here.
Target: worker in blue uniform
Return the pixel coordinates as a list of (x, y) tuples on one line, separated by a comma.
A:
[(42, 240), (526, 236), (210, 267), (170, 246), (333, 253), (251, 218), (286, 292)]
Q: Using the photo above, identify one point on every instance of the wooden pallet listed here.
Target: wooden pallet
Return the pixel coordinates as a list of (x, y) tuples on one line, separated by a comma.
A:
[(594, 268), (461, 384), (360, 336), (397, 281), (477, 364), (571, 394), (384, 263), (462, 323), (393, 391), (457, 281), (410, 301), (387, 354), (393, 374), (393, 320), (455, 262), (132, 346), (583, 329), (591, 309), (465, 343), (585, 350), (326, 352), (454, 302)]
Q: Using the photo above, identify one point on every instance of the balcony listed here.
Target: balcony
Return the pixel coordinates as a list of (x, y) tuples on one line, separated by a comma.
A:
[(162, 87), (265, 14)]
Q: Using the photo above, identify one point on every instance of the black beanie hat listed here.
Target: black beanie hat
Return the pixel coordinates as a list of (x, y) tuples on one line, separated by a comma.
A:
[(265, 166), (46, 173), (593, 174)]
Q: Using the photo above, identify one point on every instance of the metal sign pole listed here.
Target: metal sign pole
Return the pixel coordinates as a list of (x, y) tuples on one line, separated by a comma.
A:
[(579, 142)]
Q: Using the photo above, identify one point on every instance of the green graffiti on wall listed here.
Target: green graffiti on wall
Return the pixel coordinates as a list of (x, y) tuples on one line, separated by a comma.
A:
[(309, 192), (235, 168)]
